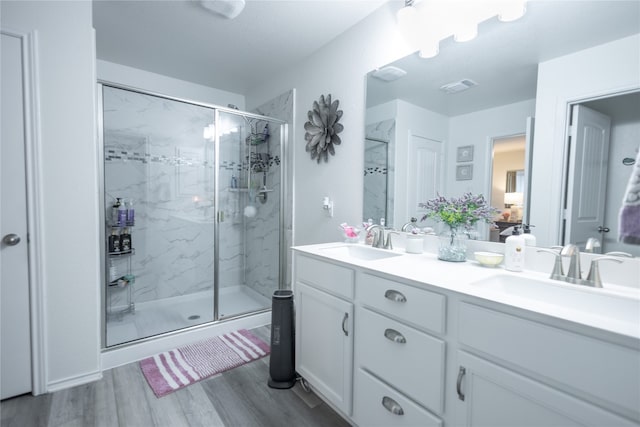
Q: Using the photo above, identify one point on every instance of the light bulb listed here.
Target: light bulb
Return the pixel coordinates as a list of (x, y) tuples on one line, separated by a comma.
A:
[(510, 10), (429, 49)]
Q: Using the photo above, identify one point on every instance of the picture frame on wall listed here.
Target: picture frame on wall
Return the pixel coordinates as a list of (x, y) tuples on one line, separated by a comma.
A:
[(464, 172), (465, 154)]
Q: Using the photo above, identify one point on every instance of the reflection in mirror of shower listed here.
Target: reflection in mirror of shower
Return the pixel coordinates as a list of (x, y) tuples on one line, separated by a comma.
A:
[(375, 179)]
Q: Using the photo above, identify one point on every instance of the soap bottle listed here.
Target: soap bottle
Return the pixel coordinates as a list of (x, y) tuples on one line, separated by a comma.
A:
[(114, 212), (130, 214), (234, 181), (122, 214), (125, 241), (529, 239), (114, 242), (514, 251)]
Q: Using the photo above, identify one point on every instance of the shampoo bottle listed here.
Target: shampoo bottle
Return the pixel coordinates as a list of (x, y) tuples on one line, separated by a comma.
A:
[(114, 212), (114, 242), (514, 251), (125, 241), (122, 214), (131, 217)]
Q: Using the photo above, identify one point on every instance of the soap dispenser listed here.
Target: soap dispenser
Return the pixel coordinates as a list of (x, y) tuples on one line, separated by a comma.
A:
[(529, 239), (514, 251)]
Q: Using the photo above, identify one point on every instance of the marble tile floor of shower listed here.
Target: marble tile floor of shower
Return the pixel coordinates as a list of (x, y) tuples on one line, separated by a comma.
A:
[(122, 398), (170, 314)]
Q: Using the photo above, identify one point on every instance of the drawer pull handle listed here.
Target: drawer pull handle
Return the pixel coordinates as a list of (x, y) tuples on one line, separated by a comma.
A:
[(392, 406), (344, 324), (395, 336), (395, 296), (461, 373)]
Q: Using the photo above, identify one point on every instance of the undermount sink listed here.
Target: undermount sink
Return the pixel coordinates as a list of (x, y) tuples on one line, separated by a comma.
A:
[(364, 253), (594, 301)]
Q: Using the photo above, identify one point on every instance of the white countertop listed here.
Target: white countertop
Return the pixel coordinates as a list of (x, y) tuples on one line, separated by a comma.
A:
[(613, 308)]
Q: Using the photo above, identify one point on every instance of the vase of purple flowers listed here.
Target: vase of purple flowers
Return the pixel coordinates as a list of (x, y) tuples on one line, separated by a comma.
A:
[(459, 216)]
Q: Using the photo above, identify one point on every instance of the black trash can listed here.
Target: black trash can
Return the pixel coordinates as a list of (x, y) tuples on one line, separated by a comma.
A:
[(282, 372)]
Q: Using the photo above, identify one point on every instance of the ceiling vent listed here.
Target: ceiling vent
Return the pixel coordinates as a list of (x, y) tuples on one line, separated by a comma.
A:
[(389, 73), (458, 86)]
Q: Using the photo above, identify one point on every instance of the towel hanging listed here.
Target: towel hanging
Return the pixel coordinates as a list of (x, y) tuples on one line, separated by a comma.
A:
[(630, 211)]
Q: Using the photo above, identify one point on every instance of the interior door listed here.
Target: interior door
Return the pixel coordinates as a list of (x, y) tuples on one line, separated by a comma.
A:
[(587, 175), (15, 337), (425, 169)]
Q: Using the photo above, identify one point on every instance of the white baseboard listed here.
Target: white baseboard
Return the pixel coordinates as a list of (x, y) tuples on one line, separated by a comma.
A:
[(74, 381)]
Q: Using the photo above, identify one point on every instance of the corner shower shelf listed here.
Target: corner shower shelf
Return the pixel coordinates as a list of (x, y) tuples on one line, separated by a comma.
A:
[(117, 254)]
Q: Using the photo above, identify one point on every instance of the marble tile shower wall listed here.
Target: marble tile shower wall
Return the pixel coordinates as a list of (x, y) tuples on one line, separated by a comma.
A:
[(263, 232), (156, 156), (378, 171)]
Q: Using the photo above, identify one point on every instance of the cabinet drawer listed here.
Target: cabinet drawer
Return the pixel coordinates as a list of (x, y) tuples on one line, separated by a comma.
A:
[(333, 278), (409, 360), (377, 404), (423, 308), (608, 372)]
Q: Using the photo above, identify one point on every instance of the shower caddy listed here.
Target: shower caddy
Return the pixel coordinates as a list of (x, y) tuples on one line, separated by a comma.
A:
[(123, 282)]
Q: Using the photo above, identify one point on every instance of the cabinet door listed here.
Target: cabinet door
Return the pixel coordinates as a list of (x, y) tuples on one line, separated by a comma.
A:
[(324, 344), (490, 395)]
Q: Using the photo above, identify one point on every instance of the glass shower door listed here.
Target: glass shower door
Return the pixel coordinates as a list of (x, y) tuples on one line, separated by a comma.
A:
[(158, 168), (249, 212)]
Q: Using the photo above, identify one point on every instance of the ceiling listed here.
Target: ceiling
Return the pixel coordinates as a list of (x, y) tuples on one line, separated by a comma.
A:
[(504, 58), (181, 39)]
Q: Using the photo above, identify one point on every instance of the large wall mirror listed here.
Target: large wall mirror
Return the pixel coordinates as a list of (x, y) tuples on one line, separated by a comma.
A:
[(486, 93)]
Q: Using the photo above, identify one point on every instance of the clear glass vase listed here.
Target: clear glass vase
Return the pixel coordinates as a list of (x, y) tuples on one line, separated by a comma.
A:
[(452, 245)]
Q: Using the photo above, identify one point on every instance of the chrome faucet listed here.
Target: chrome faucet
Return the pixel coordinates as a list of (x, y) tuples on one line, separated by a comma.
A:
[(378, 235), (573, 275), (592, 245), (410, 226)]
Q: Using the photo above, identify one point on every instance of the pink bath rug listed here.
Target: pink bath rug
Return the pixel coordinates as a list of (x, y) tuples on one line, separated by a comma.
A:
[(175, 369)]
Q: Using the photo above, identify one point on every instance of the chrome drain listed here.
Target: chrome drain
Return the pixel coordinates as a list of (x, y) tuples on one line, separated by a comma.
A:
[(194, 317)]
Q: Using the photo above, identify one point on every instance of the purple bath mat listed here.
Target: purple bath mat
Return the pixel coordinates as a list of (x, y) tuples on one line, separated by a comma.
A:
[(175, 369)]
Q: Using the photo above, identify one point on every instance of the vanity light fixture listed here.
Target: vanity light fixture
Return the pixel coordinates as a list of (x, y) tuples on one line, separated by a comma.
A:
[(425, 23)]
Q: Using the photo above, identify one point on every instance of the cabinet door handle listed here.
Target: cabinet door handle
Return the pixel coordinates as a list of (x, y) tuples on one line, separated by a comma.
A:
[(461, 373), (344, 324), (392, 406), (395, 296), (395, 336)]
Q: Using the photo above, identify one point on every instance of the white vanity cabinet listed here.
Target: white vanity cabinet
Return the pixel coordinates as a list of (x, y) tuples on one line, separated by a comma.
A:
[(400, 368), (530, 373), (324, 328)]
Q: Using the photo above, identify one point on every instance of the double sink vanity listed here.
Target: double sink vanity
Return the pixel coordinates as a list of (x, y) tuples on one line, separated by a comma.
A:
[(395, 339)]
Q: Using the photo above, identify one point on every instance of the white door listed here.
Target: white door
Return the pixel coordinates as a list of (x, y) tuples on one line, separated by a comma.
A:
[(587, 177), (425, 173), (15, 338)]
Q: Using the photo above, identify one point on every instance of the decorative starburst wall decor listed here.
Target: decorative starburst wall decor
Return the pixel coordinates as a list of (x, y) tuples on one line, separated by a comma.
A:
[(323, 128)]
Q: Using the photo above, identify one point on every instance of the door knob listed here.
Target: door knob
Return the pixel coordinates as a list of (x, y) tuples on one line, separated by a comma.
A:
[(603, 229), (11, 239)]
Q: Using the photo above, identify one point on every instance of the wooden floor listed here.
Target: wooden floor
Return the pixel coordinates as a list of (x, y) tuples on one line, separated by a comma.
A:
[(239, 397)]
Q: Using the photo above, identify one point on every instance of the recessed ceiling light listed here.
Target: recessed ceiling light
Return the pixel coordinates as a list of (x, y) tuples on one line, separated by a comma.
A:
[(389, 73)]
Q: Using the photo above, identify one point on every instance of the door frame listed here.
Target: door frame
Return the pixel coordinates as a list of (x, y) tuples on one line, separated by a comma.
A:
[(35, 226)]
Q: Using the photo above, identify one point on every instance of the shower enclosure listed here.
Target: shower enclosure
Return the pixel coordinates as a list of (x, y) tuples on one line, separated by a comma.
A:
[(193, 213)]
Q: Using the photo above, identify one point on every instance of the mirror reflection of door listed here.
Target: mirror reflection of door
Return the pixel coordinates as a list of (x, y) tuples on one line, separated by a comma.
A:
[(607, 129), (507, 182)]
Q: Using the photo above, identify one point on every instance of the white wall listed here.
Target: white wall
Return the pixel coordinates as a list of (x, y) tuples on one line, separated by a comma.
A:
[(66, 77), (339, 69), (163, 85), (478, 129), (608, 68)]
